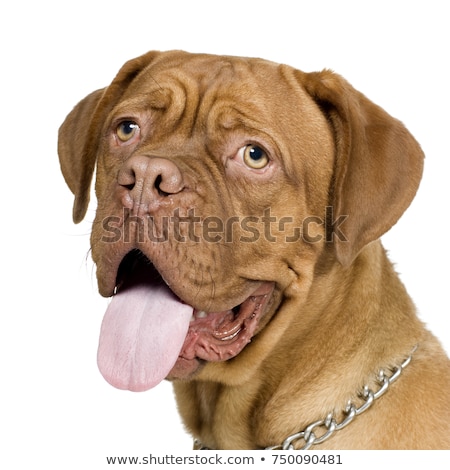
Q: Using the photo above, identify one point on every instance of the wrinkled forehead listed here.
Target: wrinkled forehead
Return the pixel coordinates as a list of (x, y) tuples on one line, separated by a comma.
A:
[(203, 72), (203, 89)]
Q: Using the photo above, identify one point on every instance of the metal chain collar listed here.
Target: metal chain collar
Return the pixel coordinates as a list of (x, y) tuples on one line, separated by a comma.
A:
[(321, 430), (328, 426)]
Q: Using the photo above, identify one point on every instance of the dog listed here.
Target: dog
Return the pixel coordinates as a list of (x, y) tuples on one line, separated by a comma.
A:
[(240, 208)]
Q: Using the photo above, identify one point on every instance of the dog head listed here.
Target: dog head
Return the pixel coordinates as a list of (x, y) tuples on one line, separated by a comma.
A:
[(222, 183)]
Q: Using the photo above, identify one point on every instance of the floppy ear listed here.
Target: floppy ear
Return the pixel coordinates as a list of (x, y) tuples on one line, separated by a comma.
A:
[(78, 139), (76, 158), (378, 163)]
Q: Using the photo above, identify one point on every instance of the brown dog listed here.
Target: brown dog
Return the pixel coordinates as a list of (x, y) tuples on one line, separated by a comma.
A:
[(240, 203)]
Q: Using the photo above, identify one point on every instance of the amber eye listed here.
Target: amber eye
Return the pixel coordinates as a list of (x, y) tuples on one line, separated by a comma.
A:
[(126, 130), (255, 157)]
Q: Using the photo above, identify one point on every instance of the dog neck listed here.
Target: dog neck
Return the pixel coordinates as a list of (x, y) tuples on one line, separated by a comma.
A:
[(319, 431)]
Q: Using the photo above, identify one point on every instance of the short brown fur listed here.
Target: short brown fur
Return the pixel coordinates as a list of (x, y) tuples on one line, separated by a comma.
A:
[(339, 312)]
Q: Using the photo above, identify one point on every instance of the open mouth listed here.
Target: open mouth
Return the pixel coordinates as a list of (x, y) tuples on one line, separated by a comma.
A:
[(148, 332)]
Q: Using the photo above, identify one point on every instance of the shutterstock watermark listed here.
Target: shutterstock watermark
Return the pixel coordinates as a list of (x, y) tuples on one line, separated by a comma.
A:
[(190, 227)]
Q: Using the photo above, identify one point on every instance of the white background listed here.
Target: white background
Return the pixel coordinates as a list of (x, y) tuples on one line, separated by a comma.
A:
[(57, 412)]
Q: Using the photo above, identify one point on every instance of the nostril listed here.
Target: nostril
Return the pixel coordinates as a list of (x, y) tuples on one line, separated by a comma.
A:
[(127, 178), (128, 186), (168, 179), (158, 182)]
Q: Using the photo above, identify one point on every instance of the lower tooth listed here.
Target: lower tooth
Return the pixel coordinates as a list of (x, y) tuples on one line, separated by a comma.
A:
[(226, 338), (201, 314)]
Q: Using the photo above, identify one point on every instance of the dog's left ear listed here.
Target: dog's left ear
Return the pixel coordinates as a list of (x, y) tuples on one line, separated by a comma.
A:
[(79, 135), (378, 163)]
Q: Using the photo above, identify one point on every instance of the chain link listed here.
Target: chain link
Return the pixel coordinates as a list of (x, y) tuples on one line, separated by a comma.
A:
[(321, 430)]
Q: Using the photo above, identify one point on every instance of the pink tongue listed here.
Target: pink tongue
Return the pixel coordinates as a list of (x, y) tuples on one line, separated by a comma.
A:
[(142, 334)]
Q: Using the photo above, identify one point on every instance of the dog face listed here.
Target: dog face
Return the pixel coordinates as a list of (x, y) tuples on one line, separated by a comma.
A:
[(225, 186)]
